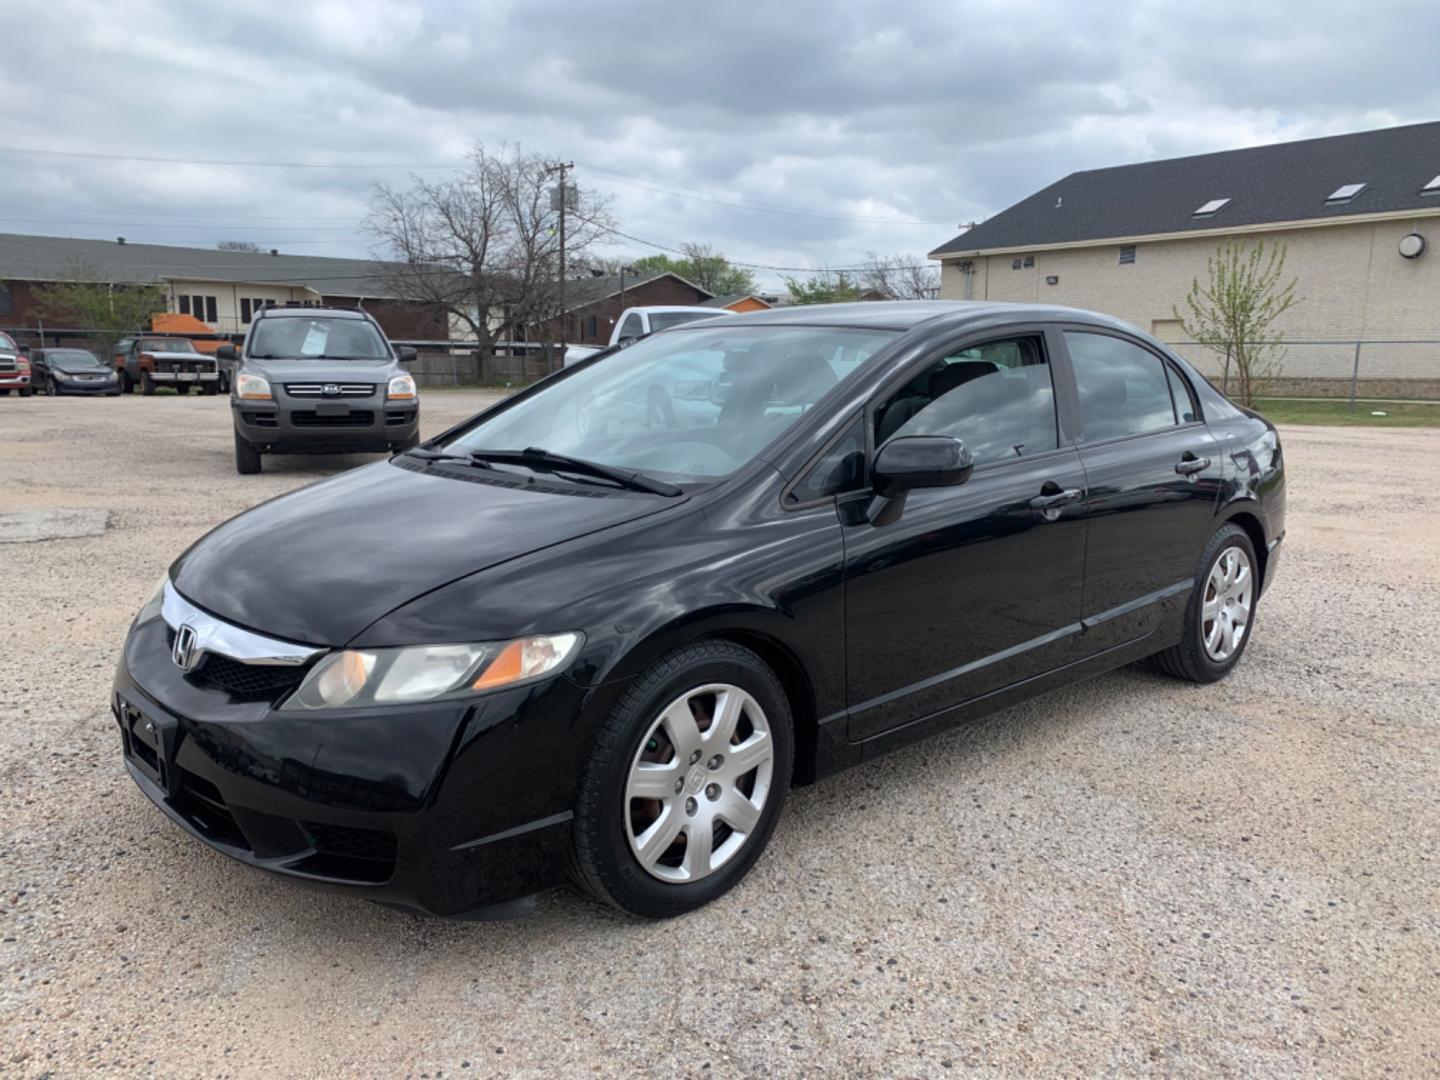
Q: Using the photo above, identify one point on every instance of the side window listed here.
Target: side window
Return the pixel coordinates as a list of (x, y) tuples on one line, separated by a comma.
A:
[(1184, 399), (1124, 389), (997, 398), (841, 468), (630, 327)]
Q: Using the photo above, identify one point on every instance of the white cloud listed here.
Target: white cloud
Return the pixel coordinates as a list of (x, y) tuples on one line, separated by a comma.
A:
[(945, 113)]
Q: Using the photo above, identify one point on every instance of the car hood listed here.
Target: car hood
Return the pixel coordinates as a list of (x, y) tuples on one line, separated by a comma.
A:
[(323, 371), (321, 564)]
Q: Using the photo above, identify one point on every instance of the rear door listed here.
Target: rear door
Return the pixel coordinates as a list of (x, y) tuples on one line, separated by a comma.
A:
[(1153, 473), (975, 587)]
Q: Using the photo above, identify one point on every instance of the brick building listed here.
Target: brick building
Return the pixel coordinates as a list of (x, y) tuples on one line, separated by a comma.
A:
[(594, 304), (223, 289), (1359, 215)]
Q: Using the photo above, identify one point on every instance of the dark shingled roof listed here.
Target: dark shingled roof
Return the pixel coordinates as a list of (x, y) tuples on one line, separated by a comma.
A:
[(1283, 182)]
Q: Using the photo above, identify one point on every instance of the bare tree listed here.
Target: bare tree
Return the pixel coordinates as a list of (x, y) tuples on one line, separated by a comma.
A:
[(483, 245), (1234, 312), (899, 277), (237, 245)]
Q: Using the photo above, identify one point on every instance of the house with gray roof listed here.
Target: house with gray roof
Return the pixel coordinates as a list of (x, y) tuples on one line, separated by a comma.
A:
[(1358, 214), (223, 289)]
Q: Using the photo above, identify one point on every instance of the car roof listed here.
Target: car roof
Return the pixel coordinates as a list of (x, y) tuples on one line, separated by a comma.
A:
[(310, 312), (907, 314)]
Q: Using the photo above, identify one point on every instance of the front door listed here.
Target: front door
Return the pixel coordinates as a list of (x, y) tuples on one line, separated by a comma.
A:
[(1153, 471), (972, 588)]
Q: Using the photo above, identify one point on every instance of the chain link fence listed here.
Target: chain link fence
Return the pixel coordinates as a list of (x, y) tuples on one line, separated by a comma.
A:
[(1380, 369)]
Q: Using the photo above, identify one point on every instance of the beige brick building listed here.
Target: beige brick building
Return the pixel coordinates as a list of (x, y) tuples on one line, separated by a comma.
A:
[(1129, 240)]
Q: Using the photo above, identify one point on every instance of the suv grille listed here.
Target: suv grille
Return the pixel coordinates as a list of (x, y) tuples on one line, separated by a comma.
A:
[(317, 390)]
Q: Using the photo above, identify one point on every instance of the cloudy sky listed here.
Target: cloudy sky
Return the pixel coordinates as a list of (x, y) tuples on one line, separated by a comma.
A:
[(791, 134)]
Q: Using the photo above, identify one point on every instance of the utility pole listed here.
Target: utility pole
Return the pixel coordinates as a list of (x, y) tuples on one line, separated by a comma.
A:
[(560, 200)]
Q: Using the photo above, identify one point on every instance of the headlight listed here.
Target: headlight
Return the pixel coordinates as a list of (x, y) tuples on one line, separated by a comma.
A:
[(252, 388), (59, 374), (151, 607), (401, 386), (360, 677)]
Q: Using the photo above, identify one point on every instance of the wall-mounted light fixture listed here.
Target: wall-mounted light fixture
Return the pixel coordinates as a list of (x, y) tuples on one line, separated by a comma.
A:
[(1412, 245), (1052, 279)]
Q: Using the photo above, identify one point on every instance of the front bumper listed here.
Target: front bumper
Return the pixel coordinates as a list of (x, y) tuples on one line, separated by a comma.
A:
[(442, 808), (108, 386), (11, 381), (316, 426), (168, 378)]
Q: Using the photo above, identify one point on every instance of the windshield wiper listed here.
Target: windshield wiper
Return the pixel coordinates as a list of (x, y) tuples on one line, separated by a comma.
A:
[(426, 454), (536, 457)]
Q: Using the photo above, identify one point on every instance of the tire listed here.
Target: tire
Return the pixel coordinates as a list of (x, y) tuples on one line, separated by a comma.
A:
[(25, 391), (247, 458), (4, 393), (1192, 659), (210, 389), (147, 384), (127, 384), (605, 861), (182, 389), (50, 388), (407, 444)]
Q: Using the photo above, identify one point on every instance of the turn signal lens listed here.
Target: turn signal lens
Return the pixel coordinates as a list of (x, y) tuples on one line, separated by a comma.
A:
[(527, 658), (401, 388), (252, 388)]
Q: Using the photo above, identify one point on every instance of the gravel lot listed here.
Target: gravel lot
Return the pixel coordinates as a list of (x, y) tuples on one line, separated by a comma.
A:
[(1130, 876)]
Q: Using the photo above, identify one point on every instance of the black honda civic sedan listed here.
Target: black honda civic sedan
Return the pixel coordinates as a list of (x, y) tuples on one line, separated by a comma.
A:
[(600, 629)]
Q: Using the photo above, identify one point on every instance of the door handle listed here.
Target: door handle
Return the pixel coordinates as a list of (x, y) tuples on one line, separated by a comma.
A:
[(1051, 502), (1190, 464)]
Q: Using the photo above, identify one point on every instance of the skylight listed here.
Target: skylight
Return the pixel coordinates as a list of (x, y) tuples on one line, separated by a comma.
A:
[(1210, 207), (1346, 192), (1432, 188)]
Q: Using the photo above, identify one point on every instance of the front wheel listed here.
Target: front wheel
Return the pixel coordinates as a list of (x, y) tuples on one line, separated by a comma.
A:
[(211, 389), (685, 782), (406, 444), (1220, 612), (147, 384), (50, 388), (127, 384), (247, 457)]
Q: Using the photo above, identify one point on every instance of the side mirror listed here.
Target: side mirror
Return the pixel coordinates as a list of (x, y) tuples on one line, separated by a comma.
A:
[(406, 354), (920, 461), (226, 352)]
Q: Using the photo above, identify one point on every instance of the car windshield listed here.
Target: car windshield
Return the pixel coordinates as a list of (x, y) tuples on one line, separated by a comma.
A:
[(72, 359), (7, 343), (692, 405), (292, 337), (663, 320), (165, 344)]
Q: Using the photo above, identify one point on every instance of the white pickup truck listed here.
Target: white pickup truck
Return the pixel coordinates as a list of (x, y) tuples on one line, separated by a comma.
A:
[(638, 321)]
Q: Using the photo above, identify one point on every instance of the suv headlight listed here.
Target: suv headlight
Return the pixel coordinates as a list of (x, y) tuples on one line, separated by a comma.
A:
[(252, 388), (401, 387), (359, 677)]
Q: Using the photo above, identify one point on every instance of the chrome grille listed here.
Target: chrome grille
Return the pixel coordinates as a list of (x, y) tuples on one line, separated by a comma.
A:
[(317, 390)]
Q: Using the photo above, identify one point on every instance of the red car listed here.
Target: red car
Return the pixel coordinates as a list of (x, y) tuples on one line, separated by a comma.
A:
[(14, 368)]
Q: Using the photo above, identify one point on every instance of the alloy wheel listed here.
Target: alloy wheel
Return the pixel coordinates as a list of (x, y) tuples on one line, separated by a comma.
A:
[(1229, 596), (699, 782)]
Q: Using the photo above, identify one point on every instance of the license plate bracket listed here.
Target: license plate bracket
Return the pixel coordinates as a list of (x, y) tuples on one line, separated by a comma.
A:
[(148, 743)]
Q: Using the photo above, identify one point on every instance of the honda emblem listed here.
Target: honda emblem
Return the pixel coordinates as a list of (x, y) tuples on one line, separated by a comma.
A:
[(184, 652)]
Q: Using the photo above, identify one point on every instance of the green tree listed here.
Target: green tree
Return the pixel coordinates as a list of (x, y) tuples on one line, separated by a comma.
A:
[(106, 312), (702, 265), (823, 287), (1235, 309)]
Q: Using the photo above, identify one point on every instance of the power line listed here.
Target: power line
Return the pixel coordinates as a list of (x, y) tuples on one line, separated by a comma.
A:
[(690, 193), (237, 163), (761, 266)]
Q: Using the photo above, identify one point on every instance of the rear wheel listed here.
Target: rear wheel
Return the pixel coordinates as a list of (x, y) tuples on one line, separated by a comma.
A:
[(685, 782), (147, 384), (1220, 612), (247, 457)]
